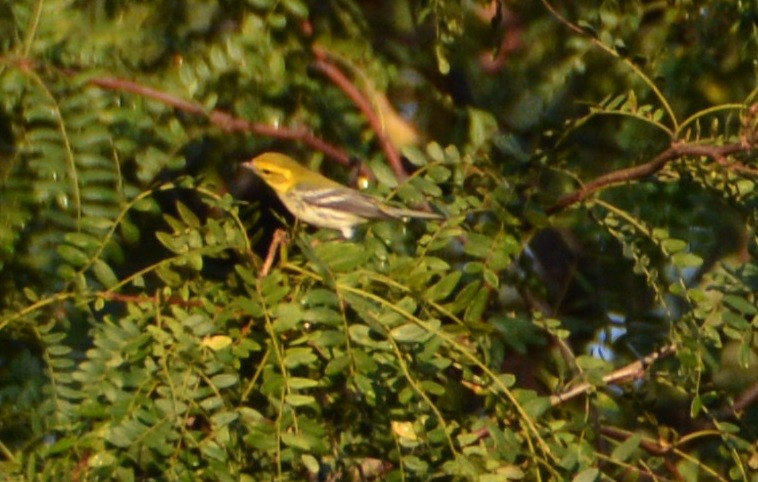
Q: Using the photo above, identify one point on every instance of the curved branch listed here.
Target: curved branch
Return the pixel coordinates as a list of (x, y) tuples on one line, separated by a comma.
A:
[(225, 120), (326, 67), (630, 372), (743, 401), (675, 151)]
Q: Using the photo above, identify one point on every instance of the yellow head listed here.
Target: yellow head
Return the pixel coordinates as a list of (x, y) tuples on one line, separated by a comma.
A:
[(278, 171)]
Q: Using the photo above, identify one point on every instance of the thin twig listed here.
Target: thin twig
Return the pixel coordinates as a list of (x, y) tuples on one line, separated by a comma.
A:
[(743, 401), (662, 448), (334, 74), (737, 166), (675, 151), (632, 371), (648, 445), (746, 398), (280, 237)]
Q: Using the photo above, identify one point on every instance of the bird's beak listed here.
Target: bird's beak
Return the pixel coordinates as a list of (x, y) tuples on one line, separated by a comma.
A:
[(249, 164)]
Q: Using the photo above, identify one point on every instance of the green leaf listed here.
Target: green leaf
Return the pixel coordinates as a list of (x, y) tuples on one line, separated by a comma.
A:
[(59, 350), (104, 273), (587, 362), (189, 218), (169, 276), (478, 245), (171, 408), (72, 255), (435, 151), (85, 241), (672, 246), (505, 379), (288, 316), (342, 256), (296, 8), (536, 406), (443, 65), (30, 294), (431, 387), (174, 244), (119, 437), (213, 450), (625, 449), (297, 400), (468, 438), (297, 383), (212, 403), (383, 173), (102, 460), (686, 260), (443, 287), (221, 419), (491, 278), (414, 155), (411, 333), (224, 380), (363, 335), (587, 475), (741, 304), (482, 127), (326, 316), (294, 357), (476, 307), (415, 464), (298, 441), (728, 427), (321, 296), (337, 365), (310, 463), (464, 297)]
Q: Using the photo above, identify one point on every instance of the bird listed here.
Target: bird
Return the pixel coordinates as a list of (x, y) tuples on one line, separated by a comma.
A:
[(320, 201)]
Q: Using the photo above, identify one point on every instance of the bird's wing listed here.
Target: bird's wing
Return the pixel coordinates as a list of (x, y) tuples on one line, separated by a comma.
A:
[(347, 200)]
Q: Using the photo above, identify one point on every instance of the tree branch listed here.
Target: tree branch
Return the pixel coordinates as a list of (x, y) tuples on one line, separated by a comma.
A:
[(280, 237), (334, 74), (743, 401), (630, 372), (225, 120), (675, 151), (655, 448), (746, 398)]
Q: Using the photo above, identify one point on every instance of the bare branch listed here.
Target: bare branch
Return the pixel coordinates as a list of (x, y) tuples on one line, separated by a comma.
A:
[(328, 68), (676, 151), (280, 237), (743, 401), (655, 448), (225, 120), (630, 372)]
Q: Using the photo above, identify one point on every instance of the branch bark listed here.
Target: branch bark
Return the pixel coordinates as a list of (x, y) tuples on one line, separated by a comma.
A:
[(225, 120), (324, 65), (630, 372), (675, 151)]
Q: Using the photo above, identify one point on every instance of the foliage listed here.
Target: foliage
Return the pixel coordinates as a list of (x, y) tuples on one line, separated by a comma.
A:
[(596, 169)]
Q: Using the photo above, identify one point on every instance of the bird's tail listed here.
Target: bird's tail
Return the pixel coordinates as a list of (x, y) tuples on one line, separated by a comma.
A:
[(399, 213)]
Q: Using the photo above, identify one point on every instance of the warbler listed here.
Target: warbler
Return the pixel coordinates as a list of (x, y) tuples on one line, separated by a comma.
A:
[(321, 202)]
